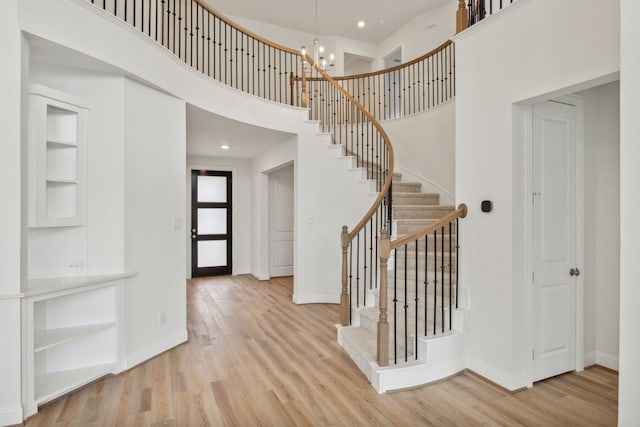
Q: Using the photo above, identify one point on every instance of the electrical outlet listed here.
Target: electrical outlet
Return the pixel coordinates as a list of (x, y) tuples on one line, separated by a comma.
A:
[(162, 319)]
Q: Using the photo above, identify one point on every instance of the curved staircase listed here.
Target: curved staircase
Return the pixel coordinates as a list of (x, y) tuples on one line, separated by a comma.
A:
[(435, 353)]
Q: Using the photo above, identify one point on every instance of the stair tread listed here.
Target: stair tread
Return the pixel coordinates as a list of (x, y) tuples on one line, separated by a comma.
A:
[(433, 206), (412, 194), (417, 220)]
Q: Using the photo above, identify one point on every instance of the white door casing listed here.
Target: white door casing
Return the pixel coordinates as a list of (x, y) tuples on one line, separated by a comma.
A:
[(554, 239), (281, 223)]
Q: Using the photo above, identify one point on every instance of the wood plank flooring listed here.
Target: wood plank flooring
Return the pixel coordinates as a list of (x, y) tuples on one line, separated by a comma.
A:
[(255, 358)]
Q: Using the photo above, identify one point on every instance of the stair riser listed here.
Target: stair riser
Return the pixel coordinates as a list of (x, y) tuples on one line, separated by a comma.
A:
[(420, 212), (430, 277), (411, 246), (372, 327), (405, 226), (406, 187), (416, 199), (412, 271), (369, 319), (431, 261)]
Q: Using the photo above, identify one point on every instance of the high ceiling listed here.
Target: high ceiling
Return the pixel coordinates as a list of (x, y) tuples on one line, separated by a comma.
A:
[(335, 17)]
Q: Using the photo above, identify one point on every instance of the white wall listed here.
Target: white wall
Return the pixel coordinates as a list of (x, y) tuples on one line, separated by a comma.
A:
[(518, 60), (629, 386), (155, 157), (98, 245), (328, 196), (11, 223), (241, 192), (424, 148), (602, 223), (422, 34)]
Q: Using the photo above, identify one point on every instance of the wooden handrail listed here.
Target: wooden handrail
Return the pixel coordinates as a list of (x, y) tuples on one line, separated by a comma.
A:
[(386, 70), (245, 30), (387, 182), (460, 212), (386, 246), (347, 237)]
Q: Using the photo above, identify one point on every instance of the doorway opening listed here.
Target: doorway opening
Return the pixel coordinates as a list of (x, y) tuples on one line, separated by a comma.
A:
[(281, 222), (211, 223), (590, 274)]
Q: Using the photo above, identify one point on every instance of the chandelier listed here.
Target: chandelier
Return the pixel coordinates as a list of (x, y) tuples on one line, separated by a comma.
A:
[(318, 50)]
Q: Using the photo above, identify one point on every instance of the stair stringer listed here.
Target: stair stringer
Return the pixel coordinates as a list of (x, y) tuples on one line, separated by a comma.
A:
[(330, 192), (438, 358)]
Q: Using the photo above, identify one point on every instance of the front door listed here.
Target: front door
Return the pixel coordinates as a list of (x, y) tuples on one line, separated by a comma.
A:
[(211, 241), (554, 239)]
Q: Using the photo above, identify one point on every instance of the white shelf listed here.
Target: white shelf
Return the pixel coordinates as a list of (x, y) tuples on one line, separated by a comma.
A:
[(49, 338), (40, 287), (57, 142), (51, 385)]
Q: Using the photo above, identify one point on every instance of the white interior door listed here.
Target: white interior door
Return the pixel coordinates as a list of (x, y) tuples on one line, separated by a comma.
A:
[(554, 239), (281, 223)]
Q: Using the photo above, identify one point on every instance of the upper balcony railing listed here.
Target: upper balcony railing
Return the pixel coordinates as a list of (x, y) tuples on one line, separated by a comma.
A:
[(213, 44), (409, 88), (473, 11)]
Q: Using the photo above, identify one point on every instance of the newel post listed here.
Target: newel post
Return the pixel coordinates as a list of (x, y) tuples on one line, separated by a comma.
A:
[(383, 324), (345, 309), (462, 17)]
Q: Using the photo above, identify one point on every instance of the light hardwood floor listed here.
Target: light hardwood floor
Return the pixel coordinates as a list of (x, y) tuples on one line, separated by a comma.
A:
[(255, 358)]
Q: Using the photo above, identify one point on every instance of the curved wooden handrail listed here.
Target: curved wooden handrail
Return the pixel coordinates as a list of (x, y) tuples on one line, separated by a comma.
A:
[(245, 30), (440, 48), (460, 212), (387, 142)]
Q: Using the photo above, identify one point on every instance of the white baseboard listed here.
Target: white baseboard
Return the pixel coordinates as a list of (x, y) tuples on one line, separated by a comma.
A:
[(316, 299), (261, 276), (589, 358), (603, 359), (607, 360), (508, 381), (155, 349), (11, 415)]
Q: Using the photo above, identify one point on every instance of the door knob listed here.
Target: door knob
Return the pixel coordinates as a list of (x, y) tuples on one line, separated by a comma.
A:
[(574, 272)]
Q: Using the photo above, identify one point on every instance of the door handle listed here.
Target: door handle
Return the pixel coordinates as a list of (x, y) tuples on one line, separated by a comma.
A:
[(574, 272)]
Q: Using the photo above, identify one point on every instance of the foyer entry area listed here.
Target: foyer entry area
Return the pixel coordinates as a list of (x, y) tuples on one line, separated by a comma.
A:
[(255, 357)]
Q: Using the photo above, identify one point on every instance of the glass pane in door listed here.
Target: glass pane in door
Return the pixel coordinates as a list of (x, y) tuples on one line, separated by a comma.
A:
[(212, 253), (212, 221), (212, 189)]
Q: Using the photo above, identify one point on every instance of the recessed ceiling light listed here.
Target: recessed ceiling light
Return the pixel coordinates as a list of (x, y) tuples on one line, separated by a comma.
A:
[(361, 24), (225, 146)]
